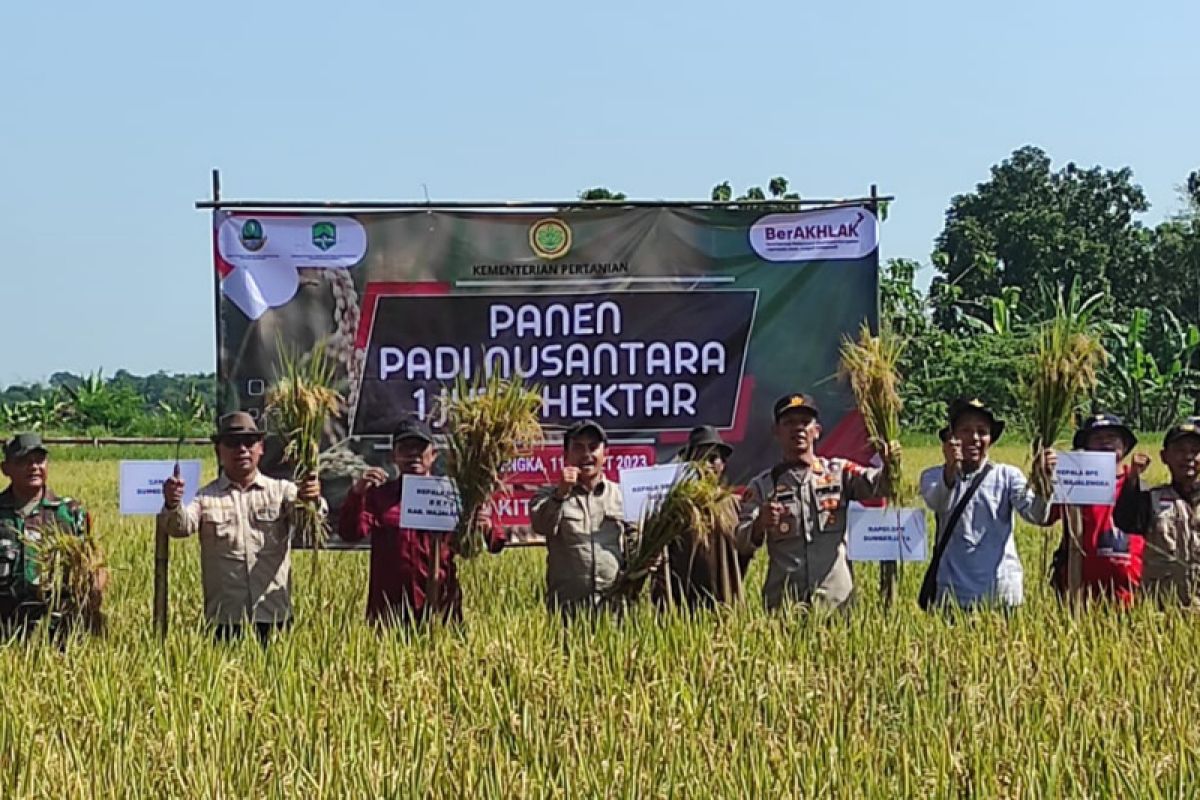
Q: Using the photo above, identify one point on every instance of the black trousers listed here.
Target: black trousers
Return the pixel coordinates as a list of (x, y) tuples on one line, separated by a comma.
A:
[(232, 631)]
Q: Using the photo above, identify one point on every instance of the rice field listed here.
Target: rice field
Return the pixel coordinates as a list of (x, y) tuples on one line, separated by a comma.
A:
[(890, 703)]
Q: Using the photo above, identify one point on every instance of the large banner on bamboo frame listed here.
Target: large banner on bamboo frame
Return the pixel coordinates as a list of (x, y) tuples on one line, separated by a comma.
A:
[(650, 320)]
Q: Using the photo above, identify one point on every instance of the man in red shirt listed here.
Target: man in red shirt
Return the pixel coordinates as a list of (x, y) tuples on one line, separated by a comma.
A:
[(401, 587), (1112, 558)]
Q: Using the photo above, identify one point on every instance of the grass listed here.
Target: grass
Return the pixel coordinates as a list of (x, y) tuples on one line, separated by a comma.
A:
[(889, 703)]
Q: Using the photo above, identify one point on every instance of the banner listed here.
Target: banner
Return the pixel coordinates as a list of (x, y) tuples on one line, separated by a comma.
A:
[(649, 320), (638, 361)]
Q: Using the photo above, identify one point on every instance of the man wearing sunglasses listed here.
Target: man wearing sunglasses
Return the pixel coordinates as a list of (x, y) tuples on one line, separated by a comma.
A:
[(244, 520)]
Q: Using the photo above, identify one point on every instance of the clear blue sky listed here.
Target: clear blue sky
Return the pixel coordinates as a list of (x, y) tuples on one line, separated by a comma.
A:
[(113, 115)]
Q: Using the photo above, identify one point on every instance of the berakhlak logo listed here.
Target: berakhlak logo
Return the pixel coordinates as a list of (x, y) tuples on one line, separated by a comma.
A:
[(252, 236), (324, 235), (849, 232), (550, 238)]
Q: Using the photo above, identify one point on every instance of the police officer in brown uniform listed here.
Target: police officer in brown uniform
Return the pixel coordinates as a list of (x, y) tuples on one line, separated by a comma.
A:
[(798, 509)]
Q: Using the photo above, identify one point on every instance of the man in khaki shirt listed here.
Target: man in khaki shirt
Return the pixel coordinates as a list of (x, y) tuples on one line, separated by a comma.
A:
[(798, 508), (1168, 516), (583, 523), (244, 522)]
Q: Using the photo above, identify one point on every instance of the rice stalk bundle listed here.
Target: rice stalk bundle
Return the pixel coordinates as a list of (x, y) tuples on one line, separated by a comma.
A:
[(1061, 374), (697, 503), (870, 366), (299, 404), (69, 574), (489, 422)]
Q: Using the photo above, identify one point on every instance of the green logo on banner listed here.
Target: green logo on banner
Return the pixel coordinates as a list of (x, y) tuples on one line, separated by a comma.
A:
[(252, 235), (324, 235), (550, 238)]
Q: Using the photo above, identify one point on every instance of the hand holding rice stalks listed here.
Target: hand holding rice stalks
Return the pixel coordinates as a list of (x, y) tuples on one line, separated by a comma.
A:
[(71, 575), (697, 503), (870, 366), (1061, 375), (298, 405), (489, 422)]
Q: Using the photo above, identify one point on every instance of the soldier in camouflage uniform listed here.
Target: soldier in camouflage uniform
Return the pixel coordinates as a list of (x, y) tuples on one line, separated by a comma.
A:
[(27, 507)]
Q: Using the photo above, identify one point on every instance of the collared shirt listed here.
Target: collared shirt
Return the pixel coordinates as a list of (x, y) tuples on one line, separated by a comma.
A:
[(400, 558), (584, 542), (1171, 526), (245, 547), (980, 563), (807, 561)]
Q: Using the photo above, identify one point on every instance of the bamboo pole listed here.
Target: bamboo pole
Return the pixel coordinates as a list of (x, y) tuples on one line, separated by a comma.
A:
[(161, 560), (433, 583), (887, 582), (1073, 519), (328, 206), (162, 556)]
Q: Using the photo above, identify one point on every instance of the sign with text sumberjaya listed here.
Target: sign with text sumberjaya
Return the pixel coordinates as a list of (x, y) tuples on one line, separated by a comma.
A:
[(649, 320)]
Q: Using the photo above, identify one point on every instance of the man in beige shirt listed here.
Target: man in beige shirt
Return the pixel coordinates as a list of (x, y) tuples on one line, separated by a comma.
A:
[(1168, 516), (583, 523), (244, 520)]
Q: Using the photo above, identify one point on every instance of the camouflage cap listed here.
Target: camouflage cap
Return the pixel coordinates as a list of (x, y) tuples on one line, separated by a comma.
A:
[(23, 444)]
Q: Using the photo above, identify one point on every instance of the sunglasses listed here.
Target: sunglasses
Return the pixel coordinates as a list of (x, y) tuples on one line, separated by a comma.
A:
[(236, 442)]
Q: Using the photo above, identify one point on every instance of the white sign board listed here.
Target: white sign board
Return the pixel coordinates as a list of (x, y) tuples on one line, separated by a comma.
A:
[(141, 484), (1085, 479), (885, 534), (641, 486), (428, 503)]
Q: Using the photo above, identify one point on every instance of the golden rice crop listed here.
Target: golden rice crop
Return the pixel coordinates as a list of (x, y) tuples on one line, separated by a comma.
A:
[(1061, 374), (733, 702), (697, 503), (69, 572), (299, 403), (870, 365), (489, 422)]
